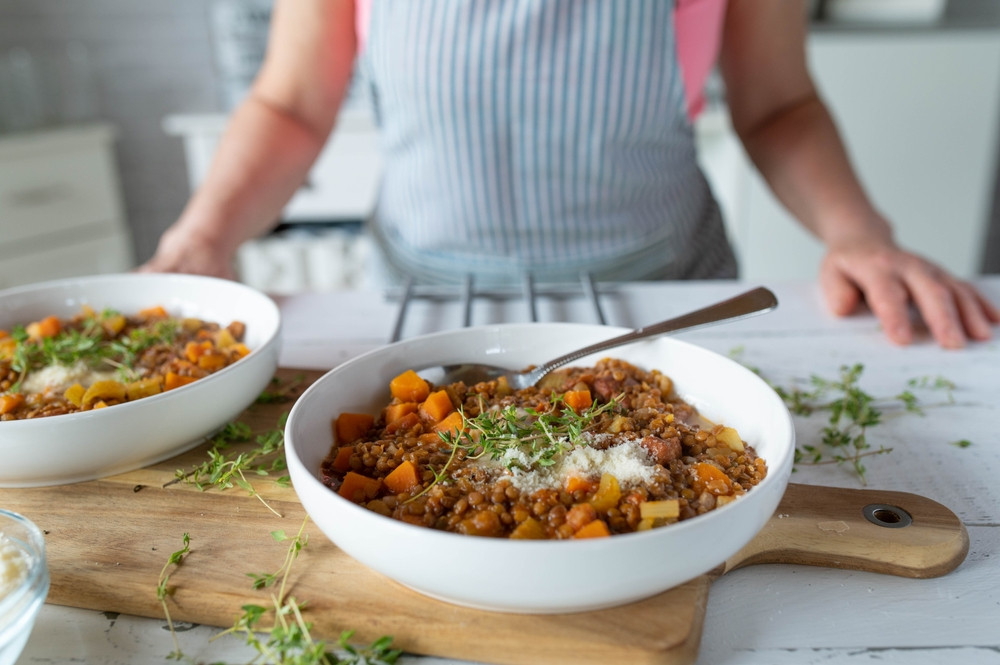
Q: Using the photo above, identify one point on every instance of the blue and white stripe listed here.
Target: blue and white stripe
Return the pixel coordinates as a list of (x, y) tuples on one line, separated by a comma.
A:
[(547, 136)]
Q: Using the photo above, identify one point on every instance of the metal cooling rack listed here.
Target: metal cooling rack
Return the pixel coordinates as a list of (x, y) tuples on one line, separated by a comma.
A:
[(466, 293)]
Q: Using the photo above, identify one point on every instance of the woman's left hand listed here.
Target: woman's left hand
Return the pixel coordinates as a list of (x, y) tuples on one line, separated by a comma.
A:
[(888, 279)]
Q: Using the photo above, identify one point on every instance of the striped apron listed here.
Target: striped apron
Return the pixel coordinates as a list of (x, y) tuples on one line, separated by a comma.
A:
[(537, 136)]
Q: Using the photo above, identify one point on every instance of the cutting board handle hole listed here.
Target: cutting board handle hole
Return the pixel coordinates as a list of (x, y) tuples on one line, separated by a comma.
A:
[(891, 517)]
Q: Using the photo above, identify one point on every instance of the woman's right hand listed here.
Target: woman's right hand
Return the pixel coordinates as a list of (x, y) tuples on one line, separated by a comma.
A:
[(187, 251)]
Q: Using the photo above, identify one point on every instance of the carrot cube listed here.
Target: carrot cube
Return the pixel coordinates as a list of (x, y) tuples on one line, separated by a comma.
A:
[(358, 488), (436, 406), (349, 427), (173, 380), (595, 529), (710, 478), (342, 462), (394, 412), (408, 421), (452, 423), (578, 400), (409, 387), (403, 478)]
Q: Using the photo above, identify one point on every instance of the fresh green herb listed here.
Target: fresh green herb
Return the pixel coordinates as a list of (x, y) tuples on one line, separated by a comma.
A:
[(279, 391), (852, 411), (89, 343), (263, 580), (163, 590), (962, 443), (519, 438), (288, 641), (224, 471)]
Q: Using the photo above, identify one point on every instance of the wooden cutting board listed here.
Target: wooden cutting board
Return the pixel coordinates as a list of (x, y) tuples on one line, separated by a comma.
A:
[(109, 539)]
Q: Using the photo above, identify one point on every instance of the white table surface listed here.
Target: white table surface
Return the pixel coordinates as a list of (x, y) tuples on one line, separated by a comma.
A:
[(773, 615)]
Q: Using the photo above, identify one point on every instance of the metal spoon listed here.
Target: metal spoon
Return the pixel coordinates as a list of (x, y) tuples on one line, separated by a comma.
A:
[(751, 303)]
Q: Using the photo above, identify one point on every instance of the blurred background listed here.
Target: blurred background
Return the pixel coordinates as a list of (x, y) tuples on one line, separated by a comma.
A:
[(110, 111)]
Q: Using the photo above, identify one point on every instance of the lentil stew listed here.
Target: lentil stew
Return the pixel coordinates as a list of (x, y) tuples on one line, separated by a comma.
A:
[(98, 359), (591, 452)]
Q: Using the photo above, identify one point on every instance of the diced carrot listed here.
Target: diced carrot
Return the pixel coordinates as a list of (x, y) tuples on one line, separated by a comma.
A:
[(403, 478), (240, 349), (436, 407), (173, 380), (156, 312), (710, 478), (212, 361), (394, 412), (529, 529), (576, 483), (408, 421), (357, 488), (10, 401), (578, 400), (195, 350), (342, 462), (349, 427), (4, 333), (409, 387), (47, 327), (595, 529), (453, 423)]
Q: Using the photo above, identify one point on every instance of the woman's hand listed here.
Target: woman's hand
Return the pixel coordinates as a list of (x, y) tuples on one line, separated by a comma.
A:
[(184, 251), (889, 279)]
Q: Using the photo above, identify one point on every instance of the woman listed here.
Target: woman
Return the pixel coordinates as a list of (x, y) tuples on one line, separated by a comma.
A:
[(554, 136)]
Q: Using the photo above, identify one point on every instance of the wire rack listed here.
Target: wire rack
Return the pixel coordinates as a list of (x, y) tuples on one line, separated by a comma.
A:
[(467, 293)]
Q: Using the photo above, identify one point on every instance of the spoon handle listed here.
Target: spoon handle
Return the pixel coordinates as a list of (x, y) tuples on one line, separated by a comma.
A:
[(751, 303)]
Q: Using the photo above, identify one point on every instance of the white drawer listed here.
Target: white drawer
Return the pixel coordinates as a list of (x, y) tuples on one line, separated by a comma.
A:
[(46, 190), (104, 254)]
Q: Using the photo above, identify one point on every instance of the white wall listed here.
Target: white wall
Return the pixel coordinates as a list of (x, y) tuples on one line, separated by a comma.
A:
[(150, 58)]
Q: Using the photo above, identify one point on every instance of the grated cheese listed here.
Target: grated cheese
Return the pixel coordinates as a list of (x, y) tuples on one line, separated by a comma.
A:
[(57, 378), (626, 460), (13, 566)]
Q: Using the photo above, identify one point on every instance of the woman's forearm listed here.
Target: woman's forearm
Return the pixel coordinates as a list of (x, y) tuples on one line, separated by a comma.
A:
[(263, 157), (800, 154)]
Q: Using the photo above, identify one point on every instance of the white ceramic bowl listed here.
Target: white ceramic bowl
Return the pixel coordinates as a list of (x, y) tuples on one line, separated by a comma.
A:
[(541, 576), (92, 444), (19, 607)]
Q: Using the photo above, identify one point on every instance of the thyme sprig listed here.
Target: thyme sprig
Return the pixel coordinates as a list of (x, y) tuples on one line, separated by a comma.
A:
[(519, 438), (89, 343), (224, 470), (851, 413), (288, 641), (163, 590)]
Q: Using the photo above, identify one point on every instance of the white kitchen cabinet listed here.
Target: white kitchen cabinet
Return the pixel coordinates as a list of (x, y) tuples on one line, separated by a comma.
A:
[(61, 212), (325, 250), (342, 185), (919, 111)]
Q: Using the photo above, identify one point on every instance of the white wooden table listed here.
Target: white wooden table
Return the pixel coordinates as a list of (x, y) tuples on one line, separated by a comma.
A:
[(769, 615)]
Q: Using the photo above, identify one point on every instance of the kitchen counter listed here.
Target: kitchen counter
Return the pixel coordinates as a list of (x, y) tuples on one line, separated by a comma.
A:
[(771, 614)]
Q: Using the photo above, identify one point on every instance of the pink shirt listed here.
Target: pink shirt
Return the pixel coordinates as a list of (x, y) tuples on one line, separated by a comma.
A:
[(698, 24)]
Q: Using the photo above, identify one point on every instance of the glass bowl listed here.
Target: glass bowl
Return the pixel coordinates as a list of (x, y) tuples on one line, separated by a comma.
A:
[(24, 582)]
